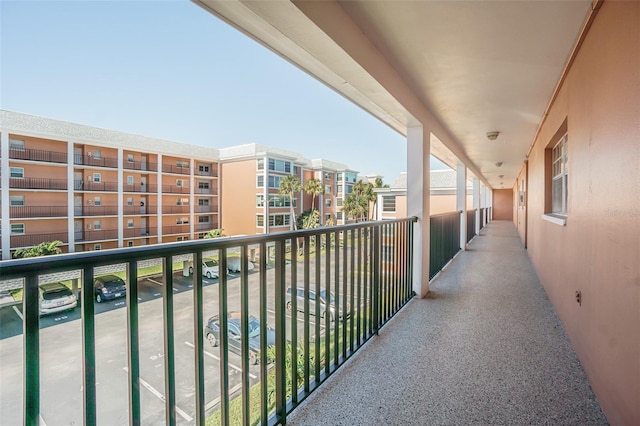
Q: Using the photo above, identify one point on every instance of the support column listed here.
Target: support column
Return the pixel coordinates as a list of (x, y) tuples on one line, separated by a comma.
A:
[(418, 203), (159, 192), (483, 202), (461, 202), (476, 202), (120, 205), (71, 195), (6, 222)]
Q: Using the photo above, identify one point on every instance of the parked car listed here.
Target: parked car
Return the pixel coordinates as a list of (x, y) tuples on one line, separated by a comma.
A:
[(109, 287), (212, 333), (324, 298), (233, 264), (56, 297), (209, 268)]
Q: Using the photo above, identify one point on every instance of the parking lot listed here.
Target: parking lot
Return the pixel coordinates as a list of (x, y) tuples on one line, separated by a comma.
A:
[(61, 351)]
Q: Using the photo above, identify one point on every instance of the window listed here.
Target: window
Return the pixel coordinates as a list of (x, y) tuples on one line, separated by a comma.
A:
[(129, 223), (274, 181), (203, 185), (339, 177), (17, 228), (183, 238), (97, 201), (203, 219), (339, 215), (16, 144), (327, 176), (278, 201), (97, 246), (129, 243), (204, 168), (351, 177), (16, 172), (260, 181), (129, 160), (560, 177), (129, 180), (389, 203), (259, 200), (182, 201), (203, 202), (279, 165), (179, 182), (97, 154), (97, 177), (348, 189), (295, 202), (182, 221), (279, 220), (182, 164), (97, 225), (327, 202), (129, 201), (327, 189), (296, 170), (339, 189), (16, 200), (260, 220), (339, 202), (260, 163)]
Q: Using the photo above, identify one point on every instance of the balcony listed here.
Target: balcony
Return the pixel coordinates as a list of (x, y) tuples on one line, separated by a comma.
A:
[(38, 183), (95, 210), (140, 232), (170, 168), (175, 189), (484, 347), (139, 187), (37, 211), (205, 209), (139, 165), (175, 209), (29, 240), (177, 229), (81, 185), (38, 155), (140, 210), (96, 235), (90, 160)]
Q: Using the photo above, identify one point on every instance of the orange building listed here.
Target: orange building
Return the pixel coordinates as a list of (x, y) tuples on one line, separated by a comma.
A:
[(96, 189)]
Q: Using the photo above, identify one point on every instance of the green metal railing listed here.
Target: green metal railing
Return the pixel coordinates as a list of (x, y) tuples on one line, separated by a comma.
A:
[(471, 224), (365, 268), (445, 240)]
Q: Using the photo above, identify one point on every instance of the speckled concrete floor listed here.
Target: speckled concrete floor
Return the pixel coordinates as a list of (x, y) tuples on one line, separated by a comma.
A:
[(484, 348)]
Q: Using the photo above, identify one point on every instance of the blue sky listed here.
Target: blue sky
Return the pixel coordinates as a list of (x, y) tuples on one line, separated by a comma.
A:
[(168, 69)]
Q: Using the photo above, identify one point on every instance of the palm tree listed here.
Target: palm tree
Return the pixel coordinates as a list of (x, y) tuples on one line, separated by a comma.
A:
[(214, 233), (377, 185), (314, 188), (42, 249), (288, 186)]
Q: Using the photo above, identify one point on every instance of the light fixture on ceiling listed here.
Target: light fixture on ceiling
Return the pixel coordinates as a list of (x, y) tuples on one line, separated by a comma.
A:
[(499, 164), (500, 176), (492, 136)]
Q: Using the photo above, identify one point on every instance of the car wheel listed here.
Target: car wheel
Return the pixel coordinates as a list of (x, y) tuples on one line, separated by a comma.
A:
[(212, 339), (253, 358), (99, 298), (209, 275), (289, 307), (190, 269)]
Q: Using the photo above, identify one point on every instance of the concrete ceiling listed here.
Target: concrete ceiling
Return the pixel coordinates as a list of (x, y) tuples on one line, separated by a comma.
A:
[(460, 68)]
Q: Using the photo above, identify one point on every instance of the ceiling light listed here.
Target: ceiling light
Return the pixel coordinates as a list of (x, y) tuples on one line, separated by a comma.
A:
[(492, 135), (500, 176), (499, 164)]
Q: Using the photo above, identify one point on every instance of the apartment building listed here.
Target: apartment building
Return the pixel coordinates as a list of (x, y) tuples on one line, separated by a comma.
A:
[(257, 169), (97, 189)]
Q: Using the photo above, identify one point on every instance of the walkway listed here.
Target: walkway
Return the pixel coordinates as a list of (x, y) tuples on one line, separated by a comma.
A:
[(485, 348)]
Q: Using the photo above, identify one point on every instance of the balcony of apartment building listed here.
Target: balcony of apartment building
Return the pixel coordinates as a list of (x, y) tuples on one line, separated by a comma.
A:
[(137, 162), (91, 159), (30, 154)]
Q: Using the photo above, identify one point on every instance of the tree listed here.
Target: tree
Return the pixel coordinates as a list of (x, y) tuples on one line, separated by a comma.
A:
[(288, 186), (314, 188), (42, 249), (310, 219), (377, 185), (356, 204), (214, 233)]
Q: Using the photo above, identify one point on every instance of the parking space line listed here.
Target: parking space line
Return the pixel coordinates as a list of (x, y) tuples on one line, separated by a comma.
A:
[(154, 281), (41, 421), (160, 396), (217, 400), (289, 316), (253, 376), (18, 312)]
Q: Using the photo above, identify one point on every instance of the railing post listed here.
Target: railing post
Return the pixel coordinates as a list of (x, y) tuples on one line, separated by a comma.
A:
[(31, 314), (89, 348), (376, 279), (133, 344), (281, 335)]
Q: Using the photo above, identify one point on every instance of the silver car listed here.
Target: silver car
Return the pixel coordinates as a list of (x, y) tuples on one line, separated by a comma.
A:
[(325, 299), (56, 297)]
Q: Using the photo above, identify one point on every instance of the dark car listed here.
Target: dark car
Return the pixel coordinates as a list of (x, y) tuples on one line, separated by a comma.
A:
[(212, 333), (109, 287)]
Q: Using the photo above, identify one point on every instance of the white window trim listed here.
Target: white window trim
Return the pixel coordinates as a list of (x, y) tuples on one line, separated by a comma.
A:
[(555, 219)]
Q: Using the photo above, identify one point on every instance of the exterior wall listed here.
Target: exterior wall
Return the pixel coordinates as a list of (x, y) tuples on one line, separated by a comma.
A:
[(520, 201), (446, 203), (503, 204), (597, 252), (238, 188)]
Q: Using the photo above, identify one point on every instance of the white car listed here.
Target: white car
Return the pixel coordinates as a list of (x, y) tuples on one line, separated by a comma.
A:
[(233, 264), (209, 268), (56, 297)]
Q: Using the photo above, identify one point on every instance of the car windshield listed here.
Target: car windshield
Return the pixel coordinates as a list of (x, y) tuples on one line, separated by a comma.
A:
[(56, 294), (210, 263), (323, 295), (254, 327), (113, 283)]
